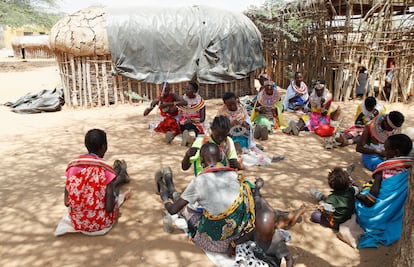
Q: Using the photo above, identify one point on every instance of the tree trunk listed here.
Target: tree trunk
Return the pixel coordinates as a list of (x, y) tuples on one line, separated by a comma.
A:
[(406, 244)]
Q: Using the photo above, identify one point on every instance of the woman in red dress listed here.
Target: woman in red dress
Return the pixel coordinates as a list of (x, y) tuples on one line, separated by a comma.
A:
[(167, 103)]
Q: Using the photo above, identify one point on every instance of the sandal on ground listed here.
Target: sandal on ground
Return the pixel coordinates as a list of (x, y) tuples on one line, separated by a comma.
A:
[(278, 158), (260, 147)]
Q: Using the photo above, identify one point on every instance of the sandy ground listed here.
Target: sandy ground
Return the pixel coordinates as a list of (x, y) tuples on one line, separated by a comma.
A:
[(36, 148)]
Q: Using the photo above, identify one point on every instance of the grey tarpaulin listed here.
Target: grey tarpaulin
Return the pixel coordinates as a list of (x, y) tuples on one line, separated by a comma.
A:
[(43, 101), (155, 44)]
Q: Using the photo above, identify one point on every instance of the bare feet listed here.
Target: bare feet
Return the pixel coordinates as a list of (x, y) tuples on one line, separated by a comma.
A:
[(293, 218)]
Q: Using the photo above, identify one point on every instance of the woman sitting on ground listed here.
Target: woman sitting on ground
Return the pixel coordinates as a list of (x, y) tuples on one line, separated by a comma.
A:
[(233, 214), (320, 114), (268, 111), (167, 103), (297, 96), (226, 199), (380, 205), (371, 142), (191, 116), (241, 128), (241, 132), (366, 111)]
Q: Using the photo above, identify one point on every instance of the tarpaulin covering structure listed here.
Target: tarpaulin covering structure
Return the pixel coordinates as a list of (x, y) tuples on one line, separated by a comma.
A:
[(154, 44)]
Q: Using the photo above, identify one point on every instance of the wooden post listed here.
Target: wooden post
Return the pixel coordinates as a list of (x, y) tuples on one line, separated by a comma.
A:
[(140, 92), (88, 81), (129, 90), (82, 64), (63, 77), (115, 85), (121, 88), (78, 75), (105, 83), (405, 256), (98, 84), (74, 89)]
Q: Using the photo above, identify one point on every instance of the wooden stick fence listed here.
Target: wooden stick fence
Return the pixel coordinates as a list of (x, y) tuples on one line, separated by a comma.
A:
[(339, 38), (89, 82)]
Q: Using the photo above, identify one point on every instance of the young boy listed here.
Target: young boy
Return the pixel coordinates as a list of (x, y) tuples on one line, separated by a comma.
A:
[(339, 206)]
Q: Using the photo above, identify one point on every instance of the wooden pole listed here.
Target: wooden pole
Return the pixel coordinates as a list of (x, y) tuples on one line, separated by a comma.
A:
[(88, 81), (98, 84), (73, 75)]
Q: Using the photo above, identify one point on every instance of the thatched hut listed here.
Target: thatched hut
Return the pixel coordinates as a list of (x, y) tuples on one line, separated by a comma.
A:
[(31, 47), (332, 40), (108, 56)]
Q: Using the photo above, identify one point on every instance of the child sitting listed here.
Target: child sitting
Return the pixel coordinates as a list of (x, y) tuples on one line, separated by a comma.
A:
[(339, 206)]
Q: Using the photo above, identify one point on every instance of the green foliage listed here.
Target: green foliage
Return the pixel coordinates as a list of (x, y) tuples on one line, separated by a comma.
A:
[(16, 13), (274, 20)]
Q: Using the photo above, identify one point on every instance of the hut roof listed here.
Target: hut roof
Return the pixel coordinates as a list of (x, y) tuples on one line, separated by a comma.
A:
[(82, 33), (30, 41), (165, 44)]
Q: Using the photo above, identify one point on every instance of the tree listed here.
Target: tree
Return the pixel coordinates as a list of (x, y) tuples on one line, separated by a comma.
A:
[(16, 13), (275, 20)]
